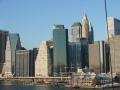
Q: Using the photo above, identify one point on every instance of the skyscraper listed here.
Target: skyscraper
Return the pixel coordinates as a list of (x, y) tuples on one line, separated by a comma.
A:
[(91, 34), (113, 26), (3, 40), (23, 63), (85, 27), (76, 32), (98, 59), (60, 48), (74, 55), (115, 53), (8, 57), (35, 52), (13, 44), (43, 61)]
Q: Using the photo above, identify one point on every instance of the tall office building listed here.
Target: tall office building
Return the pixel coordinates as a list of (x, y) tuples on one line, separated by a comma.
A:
[(115, 53), (8, 57), (113, 26), (78, 54), (35, 52), (76, 32), (3, 40), (43, 61), (91, 34), (85, 27), (24, 60), (74, 56), (13, 43), (98, 57), (60, 48)]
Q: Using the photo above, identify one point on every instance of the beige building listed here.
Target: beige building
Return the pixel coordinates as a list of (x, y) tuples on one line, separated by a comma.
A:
[(113, 26), (85, 27), (97, 57), (115, 53), (43, 61)]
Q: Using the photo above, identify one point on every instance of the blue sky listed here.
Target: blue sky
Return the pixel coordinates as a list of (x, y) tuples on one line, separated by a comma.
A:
[(33, 19)]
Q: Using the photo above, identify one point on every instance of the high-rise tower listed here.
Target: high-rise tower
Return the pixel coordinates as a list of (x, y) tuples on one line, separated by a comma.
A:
[(3, 41), (43, 65), (85, 27), (91, 34), (60, 46), (13, 44), (76, 32)]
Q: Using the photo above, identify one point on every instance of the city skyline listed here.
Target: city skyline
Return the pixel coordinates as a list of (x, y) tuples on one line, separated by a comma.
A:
[(38, 19)]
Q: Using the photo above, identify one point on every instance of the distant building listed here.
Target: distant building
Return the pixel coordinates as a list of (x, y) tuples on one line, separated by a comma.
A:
[(98, 57), (115, 53), (78, 54), (43, 63), (24, 60), (3, 41), (76, 32), (91, 34), (8, 56), (113, 26), (85, 27), (84, 30), (35, 52), (74, 56), (60, 48), (13, 43)]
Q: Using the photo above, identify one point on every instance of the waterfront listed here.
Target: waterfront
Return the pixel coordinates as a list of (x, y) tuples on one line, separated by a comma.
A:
[(13, 87)]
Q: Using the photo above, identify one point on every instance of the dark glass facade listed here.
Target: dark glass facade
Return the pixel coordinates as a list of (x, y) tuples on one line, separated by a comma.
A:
[(78, 54), (15, 45), (74, 55), (3, 40), (60, 41)]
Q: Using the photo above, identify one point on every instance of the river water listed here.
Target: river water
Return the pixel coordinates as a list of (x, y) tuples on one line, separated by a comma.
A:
[(9, 87)]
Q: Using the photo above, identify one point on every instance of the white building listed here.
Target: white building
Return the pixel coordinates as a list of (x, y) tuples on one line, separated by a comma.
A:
[(42, 63)]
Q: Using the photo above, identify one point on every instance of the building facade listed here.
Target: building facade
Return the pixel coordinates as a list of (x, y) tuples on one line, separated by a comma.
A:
[(85, 27), (76, 32), (43, 61), (113, 26), (15, 44), (98, 57), (8, 57), (91, 34), (60, 49), (115, 53), (74, 56), (24, 60), (3, 41)]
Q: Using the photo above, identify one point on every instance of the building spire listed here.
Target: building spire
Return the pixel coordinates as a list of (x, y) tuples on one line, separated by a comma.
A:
[(90, 26), (85, 26)]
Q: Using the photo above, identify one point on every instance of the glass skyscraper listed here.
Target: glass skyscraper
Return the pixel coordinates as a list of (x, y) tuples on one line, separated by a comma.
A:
[(78, 54), (3, 41), (15, 45), (60, 46), (74, 55)]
